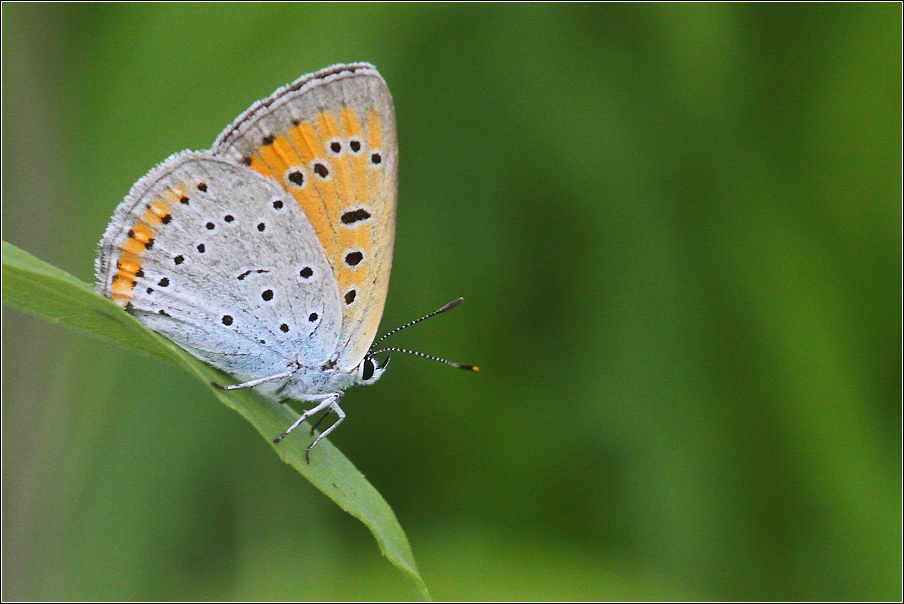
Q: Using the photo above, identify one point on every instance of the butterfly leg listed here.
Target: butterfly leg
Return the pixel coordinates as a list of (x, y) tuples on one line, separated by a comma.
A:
[(253, 383), (320, 421), (328, 400), (334, 408)]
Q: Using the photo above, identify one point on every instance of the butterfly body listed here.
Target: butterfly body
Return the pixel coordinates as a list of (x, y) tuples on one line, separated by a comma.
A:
[(269, 255)]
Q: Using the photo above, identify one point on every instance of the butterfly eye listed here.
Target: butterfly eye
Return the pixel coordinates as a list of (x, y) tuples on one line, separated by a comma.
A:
[(368, 369)]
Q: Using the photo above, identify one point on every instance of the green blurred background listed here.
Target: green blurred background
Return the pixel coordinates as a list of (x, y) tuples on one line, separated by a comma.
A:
[(677, 229)]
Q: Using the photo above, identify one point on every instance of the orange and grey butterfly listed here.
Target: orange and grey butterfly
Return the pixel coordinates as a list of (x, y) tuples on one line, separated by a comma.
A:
[(329, 139), (210, 250)]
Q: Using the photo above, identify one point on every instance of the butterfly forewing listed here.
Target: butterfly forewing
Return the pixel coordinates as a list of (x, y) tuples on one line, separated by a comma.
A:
[(219, 260), (329, 139)]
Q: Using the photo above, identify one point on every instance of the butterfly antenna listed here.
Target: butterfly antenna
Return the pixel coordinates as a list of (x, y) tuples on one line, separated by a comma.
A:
[(448, 306), (430, 356)]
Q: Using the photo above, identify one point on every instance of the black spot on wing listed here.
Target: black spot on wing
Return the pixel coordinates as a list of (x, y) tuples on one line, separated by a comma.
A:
[(353, 216)]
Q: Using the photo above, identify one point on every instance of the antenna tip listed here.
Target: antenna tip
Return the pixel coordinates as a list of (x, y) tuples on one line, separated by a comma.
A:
[(449, 306), (470, 367)]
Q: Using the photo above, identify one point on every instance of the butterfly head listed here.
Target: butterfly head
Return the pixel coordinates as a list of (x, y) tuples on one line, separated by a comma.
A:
[(370, 370)]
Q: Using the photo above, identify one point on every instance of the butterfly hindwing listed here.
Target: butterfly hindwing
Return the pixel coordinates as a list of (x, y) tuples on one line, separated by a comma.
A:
[(329, 139), (225, 264)]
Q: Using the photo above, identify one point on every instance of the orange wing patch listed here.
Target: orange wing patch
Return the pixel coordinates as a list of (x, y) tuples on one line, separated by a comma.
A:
[(140, 239), (355, 244), (323, 165)]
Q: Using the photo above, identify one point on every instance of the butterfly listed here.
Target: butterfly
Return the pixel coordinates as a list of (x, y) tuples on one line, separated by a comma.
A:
[(268, 256)]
